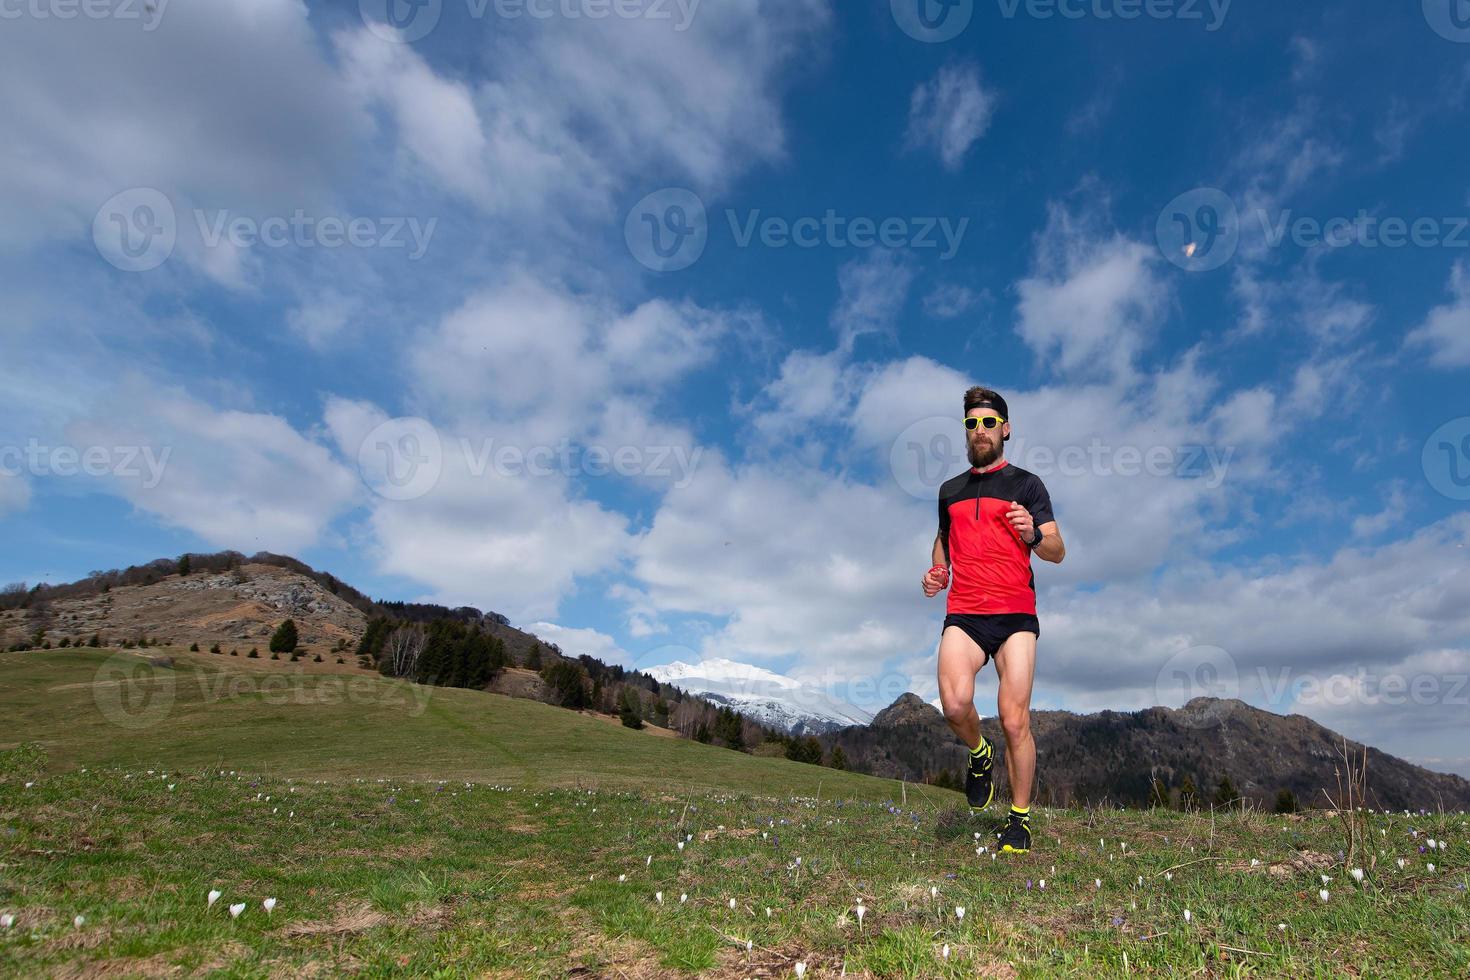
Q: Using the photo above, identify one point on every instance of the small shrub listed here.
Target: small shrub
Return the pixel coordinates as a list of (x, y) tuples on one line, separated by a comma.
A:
[(254, 654), (193, 648), (317, 658), (214, 649)]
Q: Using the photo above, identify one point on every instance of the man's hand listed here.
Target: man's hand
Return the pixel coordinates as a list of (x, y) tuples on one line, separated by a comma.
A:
[(935, 579), (1021, 521)]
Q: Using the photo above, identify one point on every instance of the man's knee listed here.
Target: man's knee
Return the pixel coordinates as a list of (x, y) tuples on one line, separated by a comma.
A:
[(957, 710), (1016, 723)]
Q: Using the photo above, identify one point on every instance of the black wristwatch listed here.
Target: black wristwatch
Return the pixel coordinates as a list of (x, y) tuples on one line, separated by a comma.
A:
[(1039, 536)]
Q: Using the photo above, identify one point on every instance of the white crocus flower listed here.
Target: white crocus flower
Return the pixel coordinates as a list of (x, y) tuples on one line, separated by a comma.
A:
[(269, 905), (79, 921), (213, 897), (659, 897), (1187, 915), (945, 952), (1323, 894), (1357, 874), (959, 912), (800, 969)]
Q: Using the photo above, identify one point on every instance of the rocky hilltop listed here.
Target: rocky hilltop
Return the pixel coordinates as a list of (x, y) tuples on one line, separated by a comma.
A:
[(230, 608)]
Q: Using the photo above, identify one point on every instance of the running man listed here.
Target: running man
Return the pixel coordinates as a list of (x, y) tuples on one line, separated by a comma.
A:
[(992, 518)]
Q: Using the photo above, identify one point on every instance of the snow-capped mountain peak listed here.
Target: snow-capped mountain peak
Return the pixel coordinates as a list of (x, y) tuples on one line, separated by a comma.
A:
[(762, 695)]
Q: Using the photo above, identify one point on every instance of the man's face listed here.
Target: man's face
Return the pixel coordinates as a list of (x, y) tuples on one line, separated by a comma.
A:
[(985, 445)]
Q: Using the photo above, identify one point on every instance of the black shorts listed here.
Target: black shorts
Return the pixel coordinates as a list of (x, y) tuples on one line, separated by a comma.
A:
[(990, 631)]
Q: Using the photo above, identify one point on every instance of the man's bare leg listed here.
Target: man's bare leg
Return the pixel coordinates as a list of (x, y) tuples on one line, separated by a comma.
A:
[(960, 659), (1015, 662)]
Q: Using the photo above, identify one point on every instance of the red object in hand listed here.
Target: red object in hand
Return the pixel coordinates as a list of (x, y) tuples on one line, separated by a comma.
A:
[(943, 572)]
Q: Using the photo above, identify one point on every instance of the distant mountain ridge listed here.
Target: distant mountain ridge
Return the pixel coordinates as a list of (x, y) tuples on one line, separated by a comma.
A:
[(1115, 755)]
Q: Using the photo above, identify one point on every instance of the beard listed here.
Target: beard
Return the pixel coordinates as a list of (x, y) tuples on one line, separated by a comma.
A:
[(982, 454)]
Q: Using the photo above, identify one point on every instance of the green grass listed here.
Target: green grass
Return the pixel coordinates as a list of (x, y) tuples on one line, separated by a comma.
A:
[(477, 835)]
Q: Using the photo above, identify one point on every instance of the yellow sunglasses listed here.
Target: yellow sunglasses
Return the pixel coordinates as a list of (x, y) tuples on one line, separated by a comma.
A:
[(989, 421)]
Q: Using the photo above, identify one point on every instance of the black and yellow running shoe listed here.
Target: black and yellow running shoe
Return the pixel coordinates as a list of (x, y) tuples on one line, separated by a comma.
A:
[(979, 787), (1015, 837)]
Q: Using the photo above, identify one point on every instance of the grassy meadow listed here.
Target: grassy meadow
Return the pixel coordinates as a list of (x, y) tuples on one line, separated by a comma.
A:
[(410, 831)]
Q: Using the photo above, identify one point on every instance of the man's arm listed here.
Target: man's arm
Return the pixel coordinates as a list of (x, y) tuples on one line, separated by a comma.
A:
[(1050, 547), (938, 557)]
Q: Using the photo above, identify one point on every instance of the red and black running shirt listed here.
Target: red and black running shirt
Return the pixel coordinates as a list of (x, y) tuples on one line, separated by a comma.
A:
[(990, 569)]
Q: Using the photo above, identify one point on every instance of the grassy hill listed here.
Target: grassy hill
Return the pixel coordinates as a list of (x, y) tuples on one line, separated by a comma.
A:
[(429, 831)]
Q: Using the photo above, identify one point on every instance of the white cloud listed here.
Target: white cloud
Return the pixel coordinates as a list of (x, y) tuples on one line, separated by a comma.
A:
[(574, 642), (1092, 301), (513, 542), (949, 300), (162, 109), (15, 489), (322, 318), (573, 108), (244, 480), (1446, 330), (950, 113), (873, 291)]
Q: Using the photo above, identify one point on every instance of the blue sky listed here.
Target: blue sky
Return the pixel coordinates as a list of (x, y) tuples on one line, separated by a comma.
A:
[(1038, 179)]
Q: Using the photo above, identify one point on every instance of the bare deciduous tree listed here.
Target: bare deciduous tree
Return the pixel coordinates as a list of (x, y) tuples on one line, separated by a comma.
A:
[(403, 648)]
